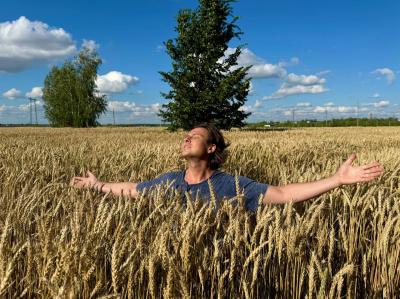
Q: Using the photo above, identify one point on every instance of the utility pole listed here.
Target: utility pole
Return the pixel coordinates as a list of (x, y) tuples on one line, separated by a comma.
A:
[(326, 116), (358, 109), (394, 119), (114, 116), (30, 110), (293, 115), (32, 102)]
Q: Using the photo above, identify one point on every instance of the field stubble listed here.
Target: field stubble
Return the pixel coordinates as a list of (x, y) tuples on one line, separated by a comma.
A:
[(57, 241)]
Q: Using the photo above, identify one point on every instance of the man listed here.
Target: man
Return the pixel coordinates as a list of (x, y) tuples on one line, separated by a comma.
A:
[(204, 150)]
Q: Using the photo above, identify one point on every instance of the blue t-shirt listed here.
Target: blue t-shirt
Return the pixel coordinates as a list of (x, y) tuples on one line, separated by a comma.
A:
[(222, 182)]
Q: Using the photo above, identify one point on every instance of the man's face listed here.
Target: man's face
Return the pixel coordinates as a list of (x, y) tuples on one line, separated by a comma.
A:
[(195, 145)]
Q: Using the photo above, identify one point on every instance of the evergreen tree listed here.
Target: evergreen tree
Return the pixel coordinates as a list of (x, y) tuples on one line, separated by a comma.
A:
[(205, 84), (70, 96)]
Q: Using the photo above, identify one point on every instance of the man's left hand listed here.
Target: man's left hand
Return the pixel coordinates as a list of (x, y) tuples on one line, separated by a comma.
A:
[(348, 174)]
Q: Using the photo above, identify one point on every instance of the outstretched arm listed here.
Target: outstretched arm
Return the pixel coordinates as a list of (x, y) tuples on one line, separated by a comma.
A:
[(345, 175), (90, 181)]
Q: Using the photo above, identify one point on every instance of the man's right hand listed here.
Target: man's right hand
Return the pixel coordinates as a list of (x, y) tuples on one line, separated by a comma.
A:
[(84, 182)]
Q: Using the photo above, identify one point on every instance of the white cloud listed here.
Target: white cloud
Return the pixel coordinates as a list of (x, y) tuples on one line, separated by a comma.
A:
[(299, 84), (335, 109), (293, 61), (321, 73), (246, 108), (15, 109), (24, 43), (303, 104), (319, 109), (251, 88), (245, 58), (345, 109), (135, 109), (252, 108), (155, 107), (36, 92), (258, 104), (12, 94), (385, 72), (267, 70), (318, 112), (315, 112), (121, 106), (23, 107), (287, 90), (328, 104), (90, 44), (259, 68), (304, 79), (376, 95), (379, 104), (114, 82)]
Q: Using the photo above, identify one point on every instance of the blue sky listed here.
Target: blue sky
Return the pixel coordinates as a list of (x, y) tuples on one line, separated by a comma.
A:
[(311, 59)]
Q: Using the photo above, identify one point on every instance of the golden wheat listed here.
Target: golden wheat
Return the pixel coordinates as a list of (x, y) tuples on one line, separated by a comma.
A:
[(57, 241)]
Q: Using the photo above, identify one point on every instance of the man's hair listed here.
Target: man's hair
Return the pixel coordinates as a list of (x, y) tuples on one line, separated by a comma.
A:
[(219, 156)]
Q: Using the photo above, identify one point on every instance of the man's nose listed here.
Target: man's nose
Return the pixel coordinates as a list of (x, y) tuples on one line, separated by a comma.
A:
[(187, 139)]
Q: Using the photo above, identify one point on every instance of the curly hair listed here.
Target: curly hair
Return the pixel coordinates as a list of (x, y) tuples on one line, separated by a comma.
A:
[(215, 136)]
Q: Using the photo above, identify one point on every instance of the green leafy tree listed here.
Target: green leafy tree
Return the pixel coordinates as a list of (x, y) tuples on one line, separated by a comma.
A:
[(70, 96), (205, 84)]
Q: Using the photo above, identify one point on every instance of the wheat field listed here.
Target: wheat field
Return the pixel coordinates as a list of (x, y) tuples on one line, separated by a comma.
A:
[(61, 242)]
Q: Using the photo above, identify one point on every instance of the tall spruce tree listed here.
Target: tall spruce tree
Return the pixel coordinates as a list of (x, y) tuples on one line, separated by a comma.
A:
[(70, 96), (205, 84)]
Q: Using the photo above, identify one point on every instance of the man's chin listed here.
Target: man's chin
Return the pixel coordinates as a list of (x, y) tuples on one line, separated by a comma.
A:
[(185, 155)]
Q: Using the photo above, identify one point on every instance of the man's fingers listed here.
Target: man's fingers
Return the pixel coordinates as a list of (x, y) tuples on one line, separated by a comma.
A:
[(371, 175), (78, 182), (374, 169), (73, 180), (373, 164), (350, 159)]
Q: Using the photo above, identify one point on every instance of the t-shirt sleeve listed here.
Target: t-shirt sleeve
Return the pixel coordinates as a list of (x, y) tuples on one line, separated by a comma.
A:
[(162, 179), (252, 192)]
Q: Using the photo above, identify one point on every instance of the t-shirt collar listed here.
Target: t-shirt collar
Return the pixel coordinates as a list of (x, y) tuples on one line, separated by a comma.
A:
[(216, 171)]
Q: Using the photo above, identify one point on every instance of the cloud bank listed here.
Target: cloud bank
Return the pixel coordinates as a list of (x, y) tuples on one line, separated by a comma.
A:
[(24, 43)]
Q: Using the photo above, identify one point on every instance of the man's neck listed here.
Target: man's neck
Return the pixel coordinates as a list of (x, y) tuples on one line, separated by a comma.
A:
[(197, 172)]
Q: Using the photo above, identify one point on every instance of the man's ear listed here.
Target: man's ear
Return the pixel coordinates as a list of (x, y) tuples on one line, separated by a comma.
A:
[(212, 148)]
